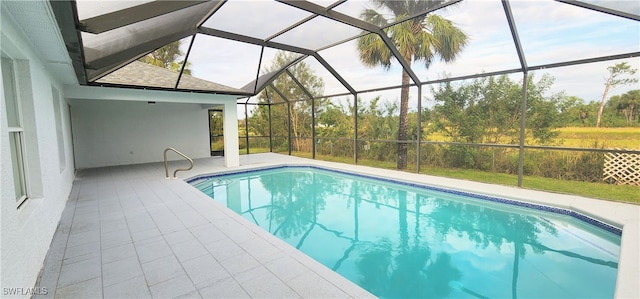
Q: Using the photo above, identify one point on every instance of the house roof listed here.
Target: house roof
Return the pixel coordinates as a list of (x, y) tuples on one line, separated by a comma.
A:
[(138, 73)]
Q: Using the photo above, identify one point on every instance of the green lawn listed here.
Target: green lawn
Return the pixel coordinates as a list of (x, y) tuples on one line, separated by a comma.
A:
[(629, 194)]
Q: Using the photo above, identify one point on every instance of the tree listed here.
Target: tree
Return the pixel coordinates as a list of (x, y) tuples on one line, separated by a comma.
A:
[(488, 110), (575, 112), (299, 114), (166, 57), (333, 121), (419, 39), (627, 104), (615, 79), (377, 121)]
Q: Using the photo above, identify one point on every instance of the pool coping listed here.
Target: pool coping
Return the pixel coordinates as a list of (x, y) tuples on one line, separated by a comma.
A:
[(615, 214)]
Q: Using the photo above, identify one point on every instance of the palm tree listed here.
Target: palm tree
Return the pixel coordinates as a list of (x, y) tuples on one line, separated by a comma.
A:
[(419, 39)]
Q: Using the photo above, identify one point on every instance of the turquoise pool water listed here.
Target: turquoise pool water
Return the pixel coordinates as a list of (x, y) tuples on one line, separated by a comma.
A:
[(404, 241)]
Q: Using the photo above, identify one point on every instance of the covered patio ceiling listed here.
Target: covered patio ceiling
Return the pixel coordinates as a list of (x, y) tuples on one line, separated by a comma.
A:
[(232, 43)]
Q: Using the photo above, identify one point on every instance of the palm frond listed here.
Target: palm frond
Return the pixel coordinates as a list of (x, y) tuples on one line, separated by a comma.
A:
[(451, 38), (424, 5), (399, 8), (403, 36), (424, 48), (373, 51), (374, 17)]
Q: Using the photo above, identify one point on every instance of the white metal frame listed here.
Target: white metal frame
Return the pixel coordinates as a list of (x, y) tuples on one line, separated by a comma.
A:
[(19, 144)]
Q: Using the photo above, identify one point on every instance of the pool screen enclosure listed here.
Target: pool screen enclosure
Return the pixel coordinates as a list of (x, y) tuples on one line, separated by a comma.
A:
[(229, 47)]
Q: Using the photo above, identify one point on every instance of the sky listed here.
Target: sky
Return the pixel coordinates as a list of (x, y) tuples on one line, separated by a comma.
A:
[(549, 31)]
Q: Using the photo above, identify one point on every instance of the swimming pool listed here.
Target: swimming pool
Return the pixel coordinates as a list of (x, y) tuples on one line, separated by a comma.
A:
[(405, 240)]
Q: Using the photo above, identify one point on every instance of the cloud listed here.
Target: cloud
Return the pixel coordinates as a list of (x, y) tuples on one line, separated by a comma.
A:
[(224, 61)]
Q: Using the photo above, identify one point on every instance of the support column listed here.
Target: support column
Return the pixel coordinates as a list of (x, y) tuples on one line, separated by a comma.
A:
[(355, 128), (270, 129), (419, 137), (525, 70), (523, 118), (289, 125), (313, 128), (246, 127), (230, 124)]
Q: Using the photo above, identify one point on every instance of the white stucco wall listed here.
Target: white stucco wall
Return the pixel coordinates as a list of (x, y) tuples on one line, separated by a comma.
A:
[(110, 133), (117, 126), (26, 232)]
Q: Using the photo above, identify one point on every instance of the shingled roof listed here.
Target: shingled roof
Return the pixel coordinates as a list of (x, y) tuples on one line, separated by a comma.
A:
[(144, 74)]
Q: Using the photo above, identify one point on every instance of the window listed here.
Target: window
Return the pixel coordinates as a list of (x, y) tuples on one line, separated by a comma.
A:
[(15, 128)]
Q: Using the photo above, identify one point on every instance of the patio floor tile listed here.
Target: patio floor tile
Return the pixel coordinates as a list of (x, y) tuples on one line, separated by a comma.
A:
[(79, 272), (126, 232), (162, 269), (173, 287), (86, 289), (225, 288), (205, 269), (131, 288), (120, 270)]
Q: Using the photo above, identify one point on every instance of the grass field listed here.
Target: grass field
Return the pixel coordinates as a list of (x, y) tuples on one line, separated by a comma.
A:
[(628, 138), (587, 137)]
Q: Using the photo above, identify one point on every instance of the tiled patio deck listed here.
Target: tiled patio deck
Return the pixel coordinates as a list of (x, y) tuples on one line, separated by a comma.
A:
[(129, 233)]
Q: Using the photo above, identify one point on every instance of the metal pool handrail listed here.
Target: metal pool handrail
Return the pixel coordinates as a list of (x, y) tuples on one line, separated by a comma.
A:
[(166, 166)]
